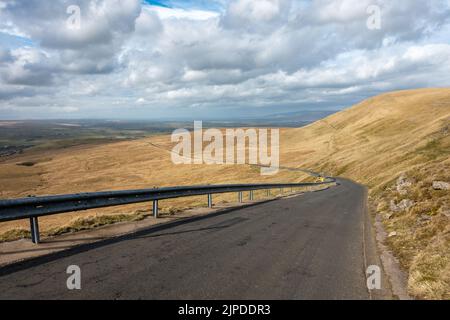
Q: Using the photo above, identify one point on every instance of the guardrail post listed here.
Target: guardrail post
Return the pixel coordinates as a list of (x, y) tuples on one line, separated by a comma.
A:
[(34, 226), (268, 192), (251, 195), (240, 197), (155, 209), (210, 204)]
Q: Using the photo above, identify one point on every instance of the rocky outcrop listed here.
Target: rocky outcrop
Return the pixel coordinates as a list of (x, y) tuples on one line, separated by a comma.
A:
[(403, 205), (441, 185), (445, 211), (403, 184)]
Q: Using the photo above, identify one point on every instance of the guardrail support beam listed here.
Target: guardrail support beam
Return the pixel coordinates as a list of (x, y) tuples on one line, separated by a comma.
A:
[(34, 227), (155, 209), (34, 207), (210, 204)]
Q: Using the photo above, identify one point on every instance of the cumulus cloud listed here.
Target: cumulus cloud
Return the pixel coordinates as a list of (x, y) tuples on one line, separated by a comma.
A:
[(260, 16), (244, 54), (93, 48)]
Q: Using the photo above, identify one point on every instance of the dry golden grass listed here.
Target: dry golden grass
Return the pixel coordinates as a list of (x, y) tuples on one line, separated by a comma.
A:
[(377, 139), (372, 143), (116, 166), (422, 242)]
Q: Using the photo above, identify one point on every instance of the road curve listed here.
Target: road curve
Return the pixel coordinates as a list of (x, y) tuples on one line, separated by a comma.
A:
[(314, 246)]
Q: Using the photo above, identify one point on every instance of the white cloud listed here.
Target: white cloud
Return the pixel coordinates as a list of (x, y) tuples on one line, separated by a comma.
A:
[(141, 101), (253, 53), (169, 13)]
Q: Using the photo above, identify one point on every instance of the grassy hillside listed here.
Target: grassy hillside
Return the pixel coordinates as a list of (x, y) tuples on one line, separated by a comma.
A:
[(377, 139), (397, 144), (137, 164), (401, 134)]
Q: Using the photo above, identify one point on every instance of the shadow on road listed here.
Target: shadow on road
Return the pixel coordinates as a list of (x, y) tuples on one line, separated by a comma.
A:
[(149, 233)]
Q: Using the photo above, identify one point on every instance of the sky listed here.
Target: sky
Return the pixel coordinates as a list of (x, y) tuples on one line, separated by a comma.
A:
[(155, 59)]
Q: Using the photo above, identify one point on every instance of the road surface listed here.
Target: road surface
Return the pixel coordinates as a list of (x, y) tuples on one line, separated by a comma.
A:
[(314, 246)]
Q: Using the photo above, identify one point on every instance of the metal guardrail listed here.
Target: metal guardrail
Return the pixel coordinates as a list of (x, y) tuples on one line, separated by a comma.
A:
[(34, 207)]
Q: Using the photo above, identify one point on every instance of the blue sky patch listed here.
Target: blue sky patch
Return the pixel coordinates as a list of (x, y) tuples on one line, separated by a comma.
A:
[(209, 5), (8, 41)]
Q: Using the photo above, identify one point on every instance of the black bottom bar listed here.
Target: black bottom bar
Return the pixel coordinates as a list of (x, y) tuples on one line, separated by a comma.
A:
[(229, 310)]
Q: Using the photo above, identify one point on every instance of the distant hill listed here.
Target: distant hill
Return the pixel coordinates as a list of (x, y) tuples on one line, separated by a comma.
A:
[(294, 119), (301, 116)]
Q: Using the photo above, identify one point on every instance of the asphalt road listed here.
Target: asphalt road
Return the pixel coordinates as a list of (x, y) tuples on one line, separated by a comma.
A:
[(313, 246)]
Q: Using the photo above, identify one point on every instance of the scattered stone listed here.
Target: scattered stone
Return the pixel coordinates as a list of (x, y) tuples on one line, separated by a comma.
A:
[(424, 218), (387, 216), (403, 205), (445, 211), (403, 183), (441, 185), (393, 206), (392, 234)]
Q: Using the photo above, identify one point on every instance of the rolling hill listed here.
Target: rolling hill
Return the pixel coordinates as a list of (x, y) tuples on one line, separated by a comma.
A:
[(377, 139), (397, 144)]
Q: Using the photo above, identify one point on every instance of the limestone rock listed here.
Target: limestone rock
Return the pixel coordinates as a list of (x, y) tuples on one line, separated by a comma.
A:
[(403, 183), (403, 205), (392, 234), (445, 211), (441, 185)]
